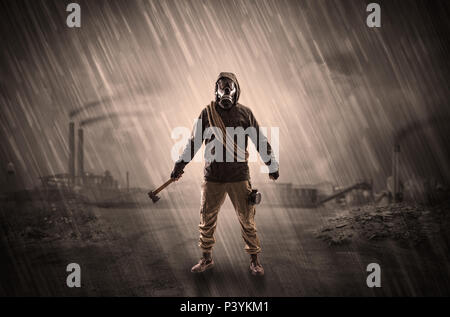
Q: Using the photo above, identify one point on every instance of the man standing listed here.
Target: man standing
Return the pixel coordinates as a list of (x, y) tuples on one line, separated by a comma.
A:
[(224, 175)]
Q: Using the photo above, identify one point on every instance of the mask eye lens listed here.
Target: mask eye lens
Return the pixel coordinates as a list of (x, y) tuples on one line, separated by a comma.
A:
[(220, 91), (225, 82)]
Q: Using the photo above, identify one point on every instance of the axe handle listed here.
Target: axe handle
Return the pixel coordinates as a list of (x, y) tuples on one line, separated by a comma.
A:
[(160, 188)]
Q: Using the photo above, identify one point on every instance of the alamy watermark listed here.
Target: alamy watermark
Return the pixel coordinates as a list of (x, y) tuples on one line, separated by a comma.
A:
[(235, 142), (74, 278), (73, 20), (74, 17), (374, 278), (374, 18)]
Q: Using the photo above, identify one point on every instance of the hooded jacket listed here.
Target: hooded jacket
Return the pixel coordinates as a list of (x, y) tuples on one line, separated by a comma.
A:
[(237, 116)]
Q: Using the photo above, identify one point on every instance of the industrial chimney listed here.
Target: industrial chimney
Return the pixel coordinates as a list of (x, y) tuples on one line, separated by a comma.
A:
[(395, 173), (72, 152), (81, 155), (128, 182)]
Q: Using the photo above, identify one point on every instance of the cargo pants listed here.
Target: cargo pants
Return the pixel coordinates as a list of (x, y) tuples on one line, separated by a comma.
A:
[(213, 196)]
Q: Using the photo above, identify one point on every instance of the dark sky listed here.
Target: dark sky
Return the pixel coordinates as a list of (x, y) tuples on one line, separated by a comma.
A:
[(338, 91)]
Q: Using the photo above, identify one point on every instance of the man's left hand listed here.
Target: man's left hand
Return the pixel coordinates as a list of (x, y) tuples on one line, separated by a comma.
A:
[(274, 176)]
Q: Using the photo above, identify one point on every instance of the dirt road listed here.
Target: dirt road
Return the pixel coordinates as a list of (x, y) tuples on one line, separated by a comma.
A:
[(149, 252)]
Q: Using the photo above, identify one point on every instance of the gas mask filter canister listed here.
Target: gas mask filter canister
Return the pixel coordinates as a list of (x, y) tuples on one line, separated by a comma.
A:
[(254, 198)]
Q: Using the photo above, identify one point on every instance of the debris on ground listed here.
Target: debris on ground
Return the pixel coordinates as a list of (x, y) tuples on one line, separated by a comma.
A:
[(48, 221), (410, 223)]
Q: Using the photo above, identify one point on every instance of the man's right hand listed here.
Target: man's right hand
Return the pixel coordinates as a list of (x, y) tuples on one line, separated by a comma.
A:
[(177, 171)]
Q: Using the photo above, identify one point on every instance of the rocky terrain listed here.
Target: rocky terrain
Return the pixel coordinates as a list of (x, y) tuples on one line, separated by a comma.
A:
[(149, 252), (49, 221), (409, 224)]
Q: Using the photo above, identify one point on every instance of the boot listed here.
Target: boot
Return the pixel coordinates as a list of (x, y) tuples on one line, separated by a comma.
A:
[(256, 267), (206, 262)]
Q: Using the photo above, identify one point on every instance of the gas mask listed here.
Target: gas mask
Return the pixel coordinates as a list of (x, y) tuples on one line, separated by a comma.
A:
[(225, 92)]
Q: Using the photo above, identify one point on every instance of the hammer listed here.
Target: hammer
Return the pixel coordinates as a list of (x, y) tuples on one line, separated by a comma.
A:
[(152, 194)]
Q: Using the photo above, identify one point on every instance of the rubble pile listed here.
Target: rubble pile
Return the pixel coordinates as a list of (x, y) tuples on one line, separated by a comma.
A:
[(403, 222), (47, 221)]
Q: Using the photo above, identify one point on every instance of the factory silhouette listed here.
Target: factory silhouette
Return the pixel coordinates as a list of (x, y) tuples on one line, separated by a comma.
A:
[(104, 190)]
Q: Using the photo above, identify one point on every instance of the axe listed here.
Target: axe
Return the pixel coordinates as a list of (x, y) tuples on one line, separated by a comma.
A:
[(152, 194)]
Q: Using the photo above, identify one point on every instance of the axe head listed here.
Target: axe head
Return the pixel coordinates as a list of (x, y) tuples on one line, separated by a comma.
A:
[(153, 197)]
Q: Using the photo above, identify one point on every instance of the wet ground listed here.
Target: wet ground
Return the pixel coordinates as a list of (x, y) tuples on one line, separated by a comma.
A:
[(149, 252)]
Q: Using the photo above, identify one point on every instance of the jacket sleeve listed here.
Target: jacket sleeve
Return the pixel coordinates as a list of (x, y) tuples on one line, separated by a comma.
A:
[(194, 142), (262, 144)]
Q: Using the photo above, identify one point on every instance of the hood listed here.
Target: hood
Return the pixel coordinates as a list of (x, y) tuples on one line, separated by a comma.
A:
[(233, 78)]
